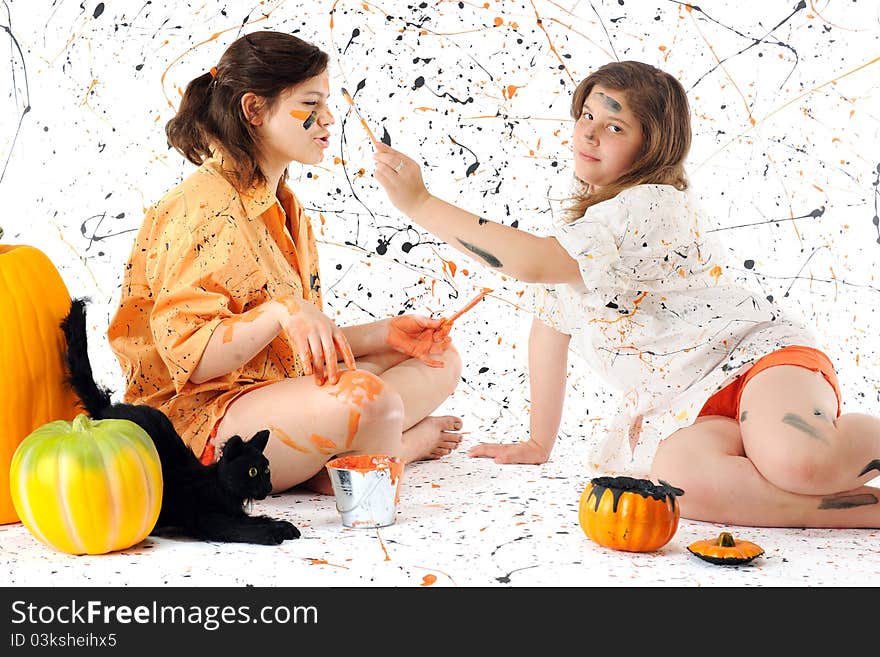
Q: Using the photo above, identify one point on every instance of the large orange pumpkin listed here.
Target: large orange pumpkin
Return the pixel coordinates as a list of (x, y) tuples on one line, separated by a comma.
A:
[(623, 513), (87, 486), (33, 301)]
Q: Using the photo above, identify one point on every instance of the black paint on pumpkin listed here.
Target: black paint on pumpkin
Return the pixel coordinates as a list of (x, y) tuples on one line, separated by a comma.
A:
[(620, 485)]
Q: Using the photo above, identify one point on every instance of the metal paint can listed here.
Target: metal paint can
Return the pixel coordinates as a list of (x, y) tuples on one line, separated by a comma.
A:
[(367, 489)]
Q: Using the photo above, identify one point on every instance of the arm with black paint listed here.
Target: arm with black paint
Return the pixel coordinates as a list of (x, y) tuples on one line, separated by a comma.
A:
[(517, 253)]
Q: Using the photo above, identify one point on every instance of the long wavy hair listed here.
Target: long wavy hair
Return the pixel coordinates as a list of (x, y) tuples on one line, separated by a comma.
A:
[(210, 115), (660, 104)]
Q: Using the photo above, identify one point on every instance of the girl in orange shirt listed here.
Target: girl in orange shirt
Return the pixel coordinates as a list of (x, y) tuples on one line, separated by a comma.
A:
[(220, 321)]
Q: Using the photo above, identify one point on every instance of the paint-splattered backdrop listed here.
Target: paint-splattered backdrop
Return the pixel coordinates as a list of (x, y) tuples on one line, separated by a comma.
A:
[(785, 155)]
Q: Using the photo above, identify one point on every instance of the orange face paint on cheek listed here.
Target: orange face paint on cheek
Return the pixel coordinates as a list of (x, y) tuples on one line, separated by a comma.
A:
[(308, 118)]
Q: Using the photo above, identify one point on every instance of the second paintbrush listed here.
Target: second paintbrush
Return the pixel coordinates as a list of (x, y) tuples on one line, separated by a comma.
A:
[(363, 123)]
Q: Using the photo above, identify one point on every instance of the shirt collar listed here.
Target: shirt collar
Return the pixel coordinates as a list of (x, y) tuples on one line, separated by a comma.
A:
[(258, 198)]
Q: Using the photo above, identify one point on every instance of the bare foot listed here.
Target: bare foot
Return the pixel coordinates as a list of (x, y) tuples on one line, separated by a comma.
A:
[(319, 483), (432, 438)]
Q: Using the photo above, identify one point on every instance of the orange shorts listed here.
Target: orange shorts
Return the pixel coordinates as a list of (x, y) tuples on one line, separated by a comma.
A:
[(726, 401)]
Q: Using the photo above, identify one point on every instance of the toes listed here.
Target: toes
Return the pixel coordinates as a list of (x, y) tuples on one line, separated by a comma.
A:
[(451, 423)]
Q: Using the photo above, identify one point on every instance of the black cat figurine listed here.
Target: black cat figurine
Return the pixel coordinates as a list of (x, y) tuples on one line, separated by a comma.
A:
[(205, 501)]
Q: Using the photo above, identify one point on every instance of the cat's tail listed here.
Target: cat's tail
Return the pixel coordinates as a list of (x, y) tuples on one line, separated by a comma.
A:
[(94, 398)]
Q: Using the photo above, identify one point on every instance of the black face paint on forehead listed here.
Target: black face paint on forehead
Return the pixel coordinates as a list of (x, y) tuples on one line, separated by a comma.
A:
[(610, 103)]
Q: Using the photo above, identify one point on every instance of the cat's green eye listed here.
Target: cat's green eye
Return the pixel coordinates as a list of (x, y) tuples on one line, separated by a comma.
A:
[(252, 471)]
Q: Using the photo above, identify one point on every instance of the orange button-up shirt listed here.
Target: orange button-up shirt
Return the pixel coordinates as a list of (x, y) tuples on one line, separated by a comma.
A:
[(204, 253)]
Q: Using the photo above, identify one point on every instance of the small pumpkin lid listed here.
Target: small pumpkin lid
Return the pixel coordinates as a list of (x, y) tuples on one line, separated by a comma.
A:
[(726, 550)]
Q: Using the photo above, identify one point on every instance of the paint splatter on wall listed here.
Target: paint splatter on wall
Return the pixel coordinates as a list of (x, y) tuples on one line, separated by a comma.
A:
[(784, 156)]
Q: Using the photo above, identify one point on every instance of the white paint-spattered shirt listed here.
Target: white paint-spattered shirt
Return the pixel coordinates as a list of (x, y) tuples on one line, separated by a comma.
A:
[(656, 317)]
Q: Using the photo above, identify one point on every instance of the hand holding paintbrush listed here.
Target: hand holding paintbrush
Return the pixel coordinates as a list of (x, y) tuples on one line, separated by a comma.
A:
[(423, 337), (447, 322)]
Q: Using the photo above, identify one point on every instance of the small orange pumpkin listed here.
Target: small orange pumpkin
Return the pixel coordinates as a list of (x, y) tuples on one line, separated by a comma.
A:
[(725, 550), (623, 513)]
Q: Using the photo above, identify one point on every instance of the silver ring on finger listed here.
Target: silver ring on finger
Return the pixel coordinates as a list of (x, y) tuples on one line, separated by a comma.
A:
[(399, 166)]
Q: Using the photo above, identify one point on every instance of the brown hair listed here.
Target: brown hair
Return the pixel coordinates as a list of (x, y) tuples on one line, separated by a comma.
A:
[(660, 104), (210, 114)]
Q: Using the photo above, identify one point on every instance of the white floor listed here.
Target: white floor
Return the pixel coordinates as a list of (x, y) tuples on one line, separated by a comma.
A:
[(461, 522)]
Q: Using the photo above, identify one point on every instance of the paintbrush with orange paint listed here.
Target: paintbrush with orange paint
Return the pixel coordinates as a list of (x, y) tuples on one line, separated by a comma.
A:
[(363, 123), (473, 302), (308, 118)]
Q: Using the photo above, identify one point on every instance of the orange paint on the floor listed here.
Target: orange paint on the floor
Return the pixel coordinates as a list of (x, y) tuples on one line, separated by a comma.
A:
[(323, 562), (715, 273), (427, 580), (387, 558)]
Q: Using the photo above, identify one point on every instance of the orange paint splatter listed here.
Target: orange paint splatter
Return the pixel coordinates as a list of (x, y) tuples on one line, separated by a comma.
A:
[(354, 419), (510, 90), (229, 323), (356, 387), (88, 91), (287, 440), (263, 16), (429, 579), (323, 562), (387, 558), (289, 303), (715, 273), (323, 444)]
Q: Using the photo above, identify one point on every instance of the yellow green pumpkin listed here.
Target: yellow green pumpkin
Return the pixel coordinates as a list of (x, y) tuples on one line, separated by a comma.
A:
[(726, 550), (33, 301), (623, 513), (87, 486)]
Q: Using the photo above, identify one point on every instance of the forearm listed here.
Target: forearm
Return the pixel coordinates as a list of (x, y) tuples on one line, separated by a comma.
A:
[(509, 250), (548, 359), (238, 339), (367, 338)]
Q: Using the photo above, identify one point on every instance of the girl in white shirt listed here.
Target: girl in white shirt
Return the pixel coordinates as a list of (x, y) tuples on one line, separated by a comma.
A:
[(723, 395)]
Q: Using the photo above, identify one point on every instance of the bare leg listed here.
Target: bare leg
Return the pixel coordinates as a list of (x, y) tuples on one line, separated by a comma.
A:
[(422, 389), (791, 432), (310, 424), (786, 464)]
